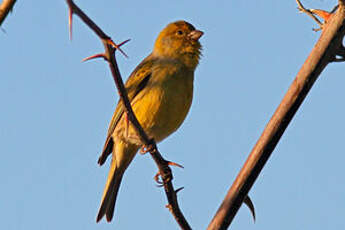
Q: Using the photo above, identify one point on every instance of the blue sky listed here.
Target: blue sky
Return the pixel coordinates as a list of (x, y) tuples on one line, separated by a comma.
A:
[(55, 112)]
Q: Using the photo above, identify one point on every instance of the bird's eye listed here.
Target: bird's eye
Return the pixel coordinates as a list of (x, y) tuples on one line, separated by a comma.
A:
[(179, 32)]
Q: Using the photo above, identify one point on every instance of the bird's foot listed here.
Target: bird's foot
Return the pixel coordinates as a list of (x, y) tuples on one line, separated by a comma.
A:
[(169, 177), (156, 178), (148, 148)]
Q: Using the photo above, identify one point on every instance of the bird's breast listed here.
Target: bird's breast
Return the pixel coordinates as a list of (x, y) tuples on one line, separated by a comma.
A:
[(164, 104)]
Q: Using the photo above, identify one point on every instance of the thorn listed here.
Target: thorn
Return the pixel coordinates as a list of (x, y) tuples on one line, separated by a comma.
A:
[(124, 42), (334, 9), (70, 18), (110, 42), (94, 57), (179, 189), (317, 29), (175, 164), (168, 206), (250, 205), (321, 13)]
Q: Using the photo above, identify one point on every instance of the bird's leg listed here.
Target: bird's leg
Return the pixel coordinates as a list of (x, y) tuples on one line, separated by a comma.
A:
[(151, 147), (126, 124)]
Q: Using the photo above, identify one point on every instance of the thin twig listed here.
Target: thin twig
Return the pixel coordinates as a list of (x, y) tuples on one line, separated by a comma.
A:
[(321, 55), (109, 56), (5, 7), (309, 13)]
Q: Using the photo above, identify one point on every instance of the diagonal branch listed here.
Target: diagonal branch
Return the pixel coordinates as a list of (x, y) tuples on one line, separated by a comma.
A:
[(5, 7), (321, 55), (163, 165)]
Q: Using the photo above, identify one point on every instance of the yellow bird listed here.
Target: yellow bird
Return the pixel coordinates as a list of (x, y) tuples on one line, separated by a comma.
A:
[(160, 90)]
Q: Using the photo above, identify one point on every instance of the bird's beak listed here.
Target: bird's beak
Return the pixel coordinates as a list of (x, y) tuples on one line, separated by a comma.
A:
[(195, 35)]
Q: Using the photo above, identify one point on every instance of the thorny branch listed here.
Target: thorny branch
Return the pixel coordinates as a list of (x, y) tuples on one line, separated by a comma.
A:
[(328, 46), (109, 55)]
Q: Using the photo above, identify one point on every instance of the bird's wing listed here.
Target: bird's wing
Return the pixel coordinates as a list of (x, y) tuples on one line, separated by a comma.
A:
[(134, 84)]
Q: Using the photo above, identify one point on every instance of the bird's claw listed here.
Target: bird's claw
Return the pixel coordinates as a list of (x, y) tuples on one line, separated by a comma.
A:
[(144, 149), (156, 178), (148, 148), (161, 182)]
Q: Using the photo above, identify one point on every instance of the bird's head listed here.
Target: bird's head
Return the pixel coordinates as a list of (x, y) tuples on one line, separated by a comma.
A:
[(180, 41)]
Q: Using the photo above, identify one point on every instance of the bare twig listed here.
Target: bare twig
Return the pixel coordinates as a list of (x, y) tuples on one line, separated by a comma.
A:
[(109, 56), (309, 13), (325, 15), (326, 47), (5, 7)]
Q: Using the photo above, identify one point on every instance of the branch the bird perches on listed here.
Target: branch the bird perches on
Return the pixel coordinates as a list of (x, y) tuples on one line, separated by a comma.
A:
[(109, 55)]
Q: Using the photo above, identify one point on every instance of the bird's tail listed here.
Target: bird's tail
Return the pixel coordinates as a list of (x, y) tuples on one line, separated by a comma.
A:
[(123, 154)]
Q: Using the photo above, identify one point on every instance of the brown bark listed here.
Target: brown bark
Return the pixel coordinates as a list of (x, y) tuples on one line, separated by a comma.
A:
[(5, 7), (328, 46)]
